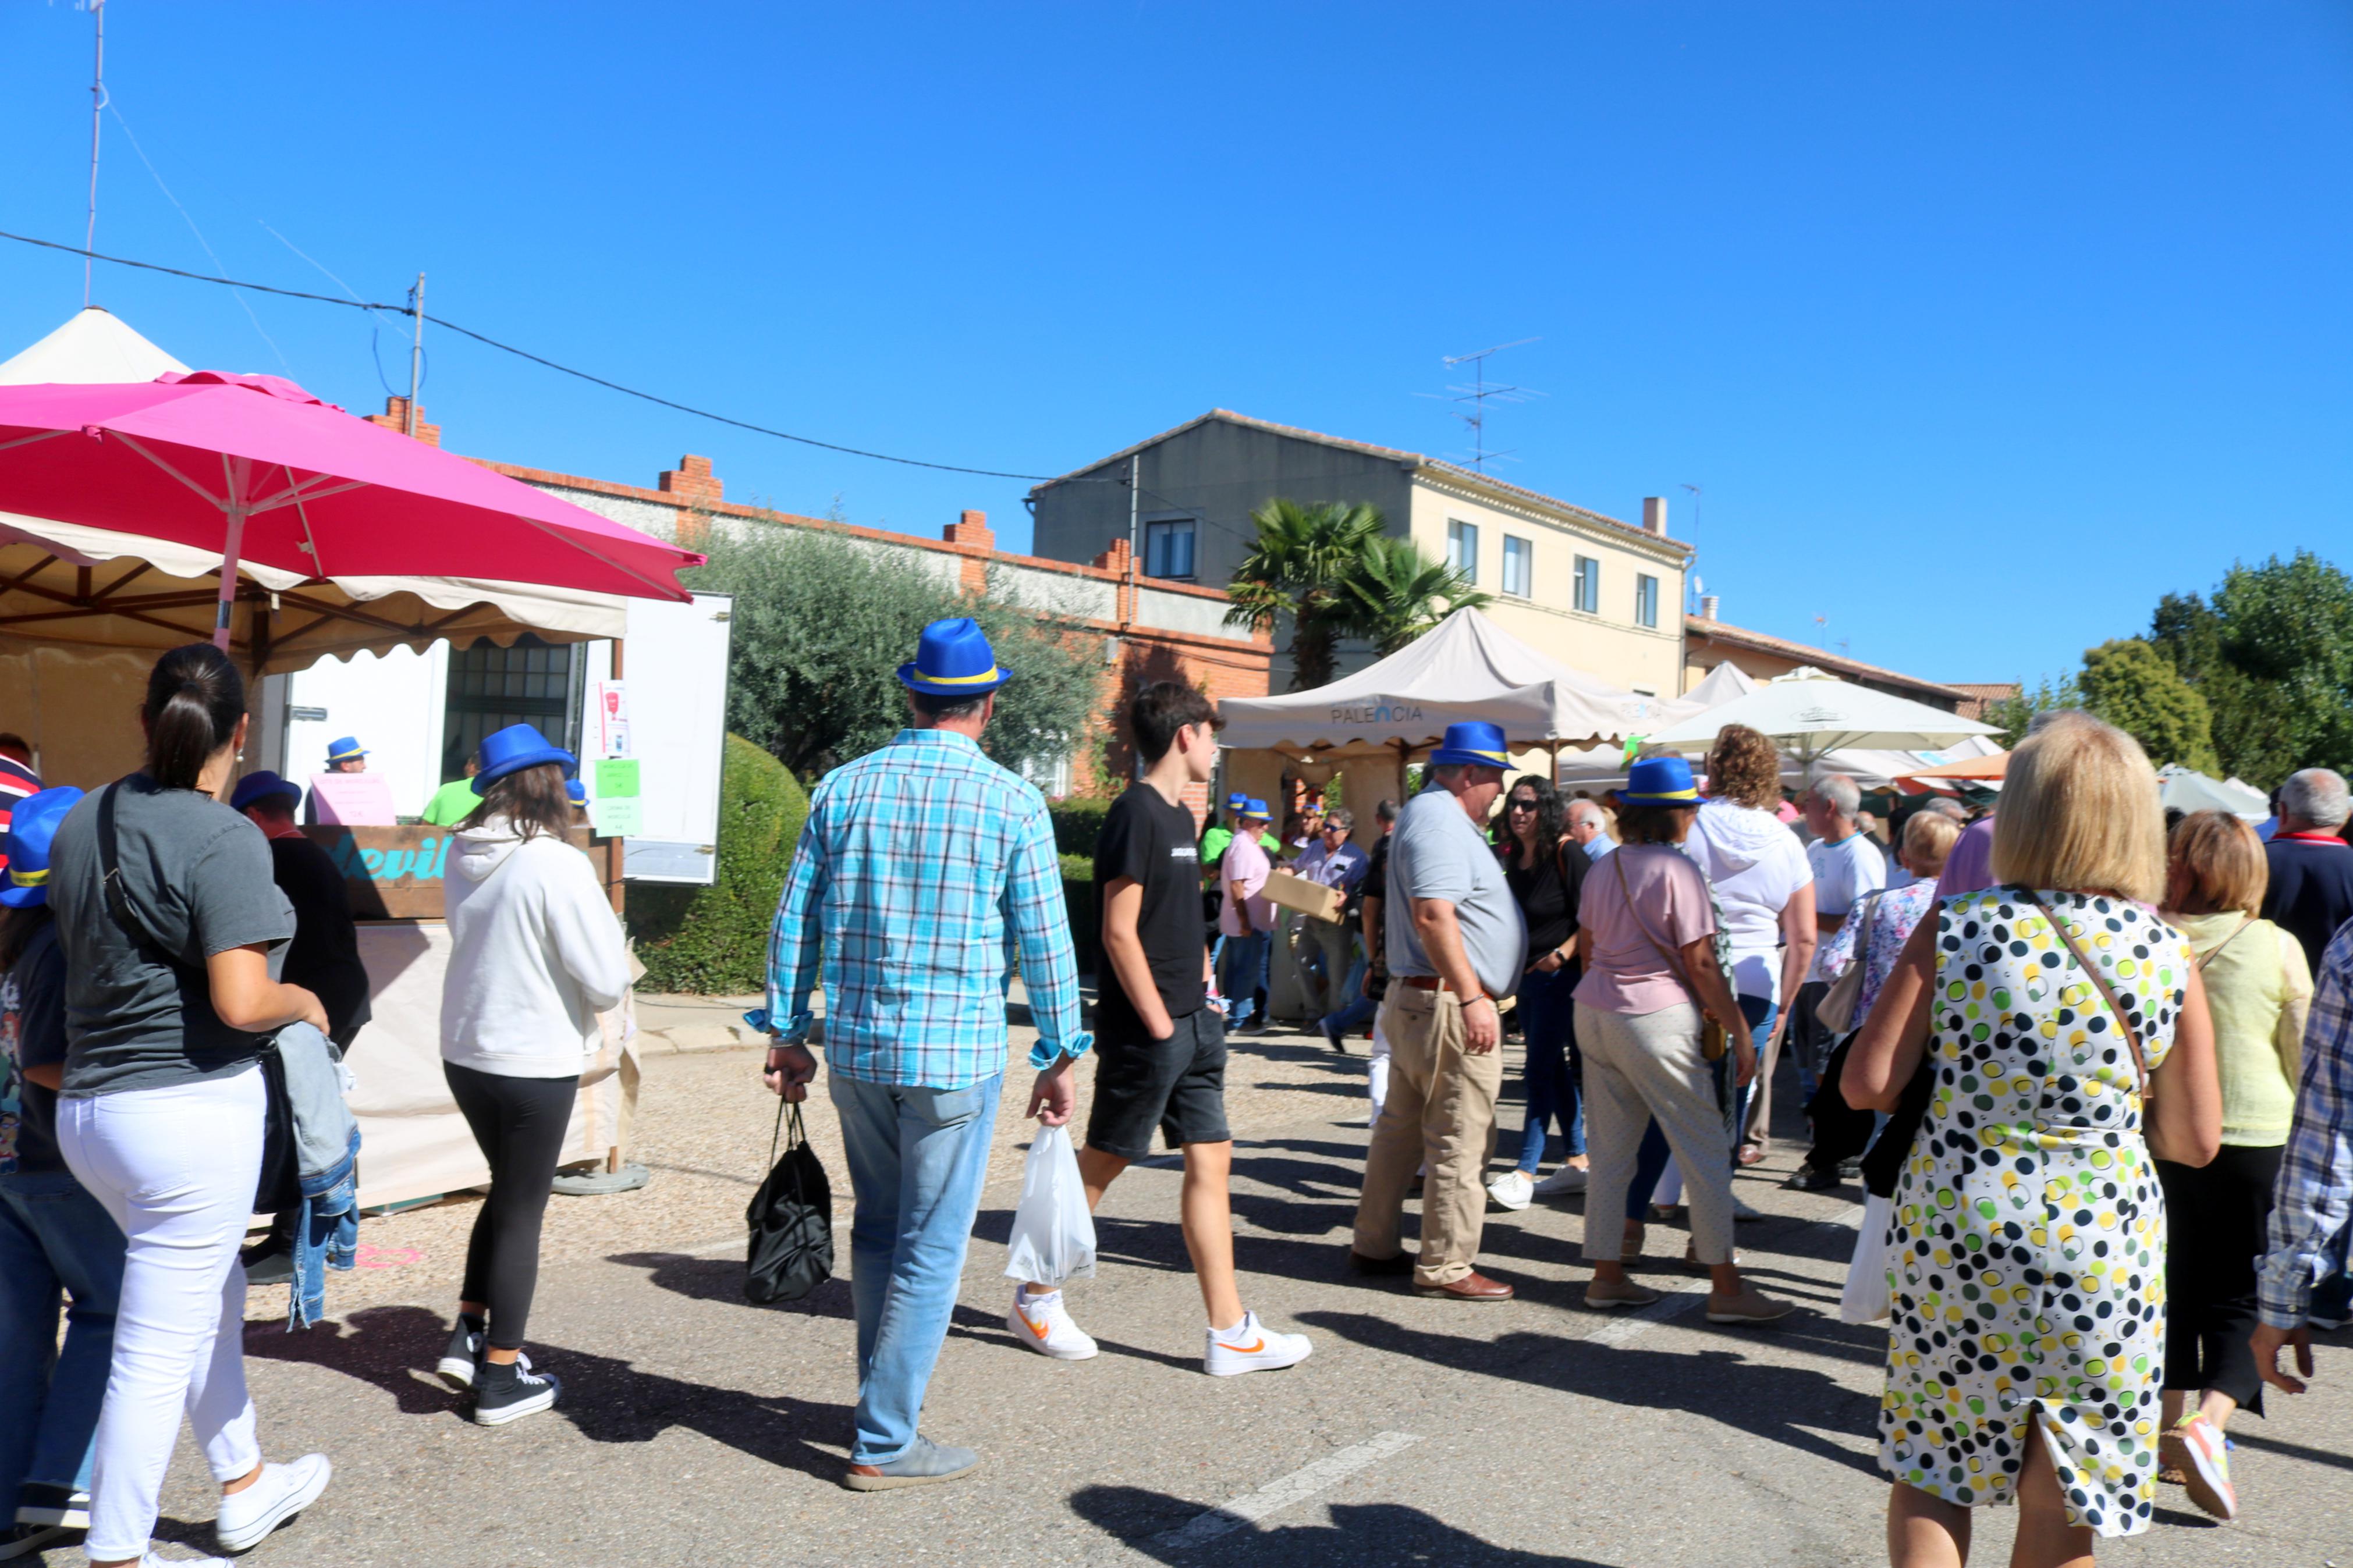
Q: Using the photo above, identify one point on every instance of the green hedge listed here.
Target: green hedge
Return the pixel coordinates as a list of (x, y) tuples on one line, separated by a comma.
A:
[(1078, 823), (714, 941)]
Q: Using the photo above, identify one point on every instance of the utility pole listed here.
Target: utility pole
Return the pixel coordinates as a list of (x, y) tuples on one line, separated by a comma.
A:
[(1134, 507), (97, 102), (416, 347)]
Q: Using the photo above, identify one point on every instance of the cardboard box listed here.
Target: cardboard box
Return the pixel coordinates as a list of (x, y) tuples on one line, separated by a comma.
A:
[(1313, 899)]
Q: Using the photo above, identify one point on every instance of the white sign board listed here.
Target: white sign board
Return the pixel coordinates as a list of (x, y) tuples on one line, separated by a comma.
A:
[(678, 654)]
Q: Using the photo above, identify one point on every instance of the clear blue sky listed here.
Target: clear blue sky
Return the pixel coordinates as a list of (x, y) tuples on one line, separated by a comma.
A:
[(1980, 326)]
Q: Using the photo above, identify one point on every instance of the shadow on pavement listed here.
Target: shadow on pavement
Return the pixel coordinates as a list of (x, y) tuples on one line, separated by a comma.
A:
[(1360, 1534), (1781, 1404), (606, 1399), (721, 1279)]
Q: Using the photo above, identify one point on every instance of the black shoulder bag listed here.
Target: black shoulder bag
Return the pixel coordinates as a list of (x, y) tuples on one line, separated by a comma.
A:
[(791, 1221), (280, 1185)]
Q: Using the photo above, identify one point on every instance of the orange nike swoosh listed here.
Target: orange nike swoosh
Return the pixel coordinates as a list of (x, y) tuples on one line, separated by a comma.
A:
[(1035, 1329), (1251, 1349)]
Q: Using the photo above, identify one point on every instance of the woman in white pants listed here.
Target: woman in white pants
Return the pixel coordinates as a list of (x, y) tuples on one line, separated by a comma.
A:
[(171, 993)]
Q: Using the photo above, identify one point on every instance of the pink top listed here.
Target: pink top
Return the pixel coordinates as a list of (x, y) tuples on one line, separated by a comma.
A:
[(1246, 863), (1624, 970)]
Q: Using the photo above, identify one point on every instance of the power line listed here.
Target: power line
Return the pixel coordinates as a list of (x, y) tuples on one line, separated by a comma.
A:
[(541, 359)]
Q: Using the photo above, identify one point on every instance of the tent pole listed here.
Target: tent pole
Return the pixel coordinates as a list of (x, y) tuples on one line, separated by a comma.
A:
[(228, 577)]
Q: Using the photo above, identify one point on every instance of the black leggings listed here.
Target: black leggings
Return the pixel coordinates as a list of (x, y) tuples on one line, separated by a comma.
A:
[(2215, 1218), (518, 1122)]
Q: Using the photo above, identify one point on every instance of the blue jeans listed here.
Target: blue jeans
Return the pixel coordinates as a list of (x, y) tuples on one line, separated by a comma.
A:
[(1555, 1074), (916, 1159), (1244, 976), (53, 1239), (1358, 1008), (1651, 1163)]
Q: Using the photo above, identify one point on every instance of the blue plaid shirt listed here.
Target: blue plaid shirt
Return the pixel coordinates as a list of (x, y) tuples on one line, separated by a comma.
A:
[(2316, 1179), (924, 870)]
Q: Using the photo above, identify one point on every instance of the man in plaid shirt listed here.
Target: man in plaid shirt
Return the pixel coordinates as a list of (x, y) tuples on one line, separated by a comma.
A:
[(2316, 1180), (923, 871)]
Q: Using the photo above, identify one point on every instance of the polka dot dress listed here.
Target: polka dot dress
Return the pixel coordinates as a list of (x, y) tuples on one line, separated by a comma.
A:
[(2027, 1258)]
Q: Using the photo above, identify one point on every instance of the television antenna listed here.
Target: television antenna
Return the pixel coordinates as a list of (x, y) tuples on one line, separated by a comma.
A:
[(1480, 393)]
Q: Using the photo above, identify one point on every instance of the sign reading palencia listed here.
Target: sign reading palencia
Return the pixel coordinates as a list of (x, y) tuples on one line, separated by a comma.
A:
[(395, 873)]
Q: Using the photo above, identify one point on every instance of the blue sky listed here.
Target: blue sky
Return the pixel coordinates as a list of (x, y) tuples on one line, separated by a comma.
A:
[(1980, 326)]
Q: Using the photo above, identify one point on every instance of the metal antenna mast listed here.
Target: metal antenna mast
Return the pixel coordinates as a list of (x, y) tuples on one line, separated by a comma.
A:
[(1478, 394), (97, 103)]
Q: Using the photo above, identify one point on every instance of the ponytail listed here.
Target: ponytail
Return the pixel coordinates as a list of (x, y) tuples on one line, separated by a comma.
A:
[(194, 699)]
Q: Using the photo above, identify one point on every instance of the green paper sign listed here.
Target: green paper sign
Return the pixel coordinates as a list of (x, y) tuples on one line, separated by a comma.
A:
[(616, 778), (617, 817)]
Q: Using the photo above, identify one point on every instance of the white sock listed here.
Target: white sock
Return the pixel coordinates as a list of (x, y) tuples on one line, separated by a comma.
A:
[(1033, 1298), (1235, 1333)]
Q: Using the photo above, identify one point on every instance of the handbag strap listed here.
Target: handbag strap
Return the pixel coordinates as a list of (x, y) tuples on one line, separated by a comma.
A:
[(2132, 1036), (118, 898), (2216, 950), (1683, 977), (799, 1136)]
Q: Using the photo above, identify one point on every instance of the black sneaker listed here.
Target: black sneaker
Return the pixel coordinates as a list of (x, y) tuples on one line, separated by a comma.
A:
[(504, 1393), (1813, 1179), (38, 1503), (458, 1361)]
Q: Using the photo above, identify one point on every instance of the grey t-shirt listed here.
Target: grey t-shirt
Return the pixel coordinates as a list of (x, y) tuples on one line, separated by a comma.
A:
[(198, 877), (1436, 853)]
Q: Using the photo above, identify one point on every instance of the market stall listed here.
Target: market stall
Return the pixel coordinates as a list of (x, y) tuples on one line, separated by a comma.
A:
[(138, 517)]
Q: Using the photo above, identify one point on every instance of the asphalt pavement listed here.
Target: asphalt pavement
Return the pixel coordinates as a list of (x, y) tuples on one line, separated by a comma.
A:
[(697, 1430)]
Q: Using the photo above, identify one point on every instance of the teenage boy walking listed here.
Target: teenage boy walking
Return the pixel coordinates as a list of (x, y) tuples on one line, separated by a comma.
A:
[(1160, 1047)]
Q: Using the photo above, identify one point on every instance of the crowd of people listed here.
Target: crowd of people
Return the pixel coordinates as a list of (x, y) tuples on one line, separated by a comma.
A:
[(2095, 1069)]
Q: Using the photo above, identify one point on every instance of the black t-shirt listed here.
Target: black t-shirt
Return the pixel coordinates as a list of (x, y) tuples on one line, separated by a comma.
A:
[(1547, 896), (325, 956), (1150, 842), (32, 1034), (1375, 885)]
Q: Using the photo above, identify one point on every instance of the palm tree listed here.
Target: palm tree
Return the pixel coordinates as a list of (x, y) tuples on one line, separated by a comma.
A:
[(1397, 594), (1298, 567)]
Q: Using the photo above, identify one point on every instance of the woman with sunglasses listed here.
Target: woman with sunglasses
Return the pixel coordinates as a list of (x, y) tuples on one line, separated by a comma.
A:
[(1547, 875)]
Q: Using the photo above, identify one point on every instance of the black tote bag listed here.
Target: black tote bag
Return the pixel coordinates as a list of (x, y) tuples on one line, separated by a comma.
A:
[(791, 1221)]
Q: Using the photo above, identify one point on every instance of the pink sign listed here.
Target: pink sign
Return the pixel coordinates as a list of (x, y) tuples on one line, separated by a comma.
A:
[(353, 800)]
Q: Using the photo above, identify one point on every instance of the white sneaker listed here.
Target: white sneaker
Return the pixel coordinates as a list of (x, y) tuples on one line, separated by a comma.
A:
[(283, 1491), (1561, 1183), (1512, 1190), (1249, 1346), (1044, 1324)]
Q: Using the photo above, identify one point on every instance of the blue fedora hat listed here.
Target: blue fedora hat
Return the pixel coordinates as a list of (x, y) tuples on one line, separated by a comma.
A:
[(1236, 800), (1254, 808), (345, 750), (1659, 781), (261, 785), (31, 827), (515, 747), (1473, 742), (953, 659), (576, 792)]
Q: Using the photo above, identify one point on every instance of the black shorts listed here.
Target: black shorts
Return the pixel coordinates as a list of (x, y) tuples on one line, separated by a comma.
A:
[(1177, 1084)]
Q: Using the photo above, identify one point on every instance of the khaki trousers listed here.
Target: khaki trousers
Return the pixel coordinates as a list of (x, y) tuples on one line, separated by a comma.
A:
[(1439, 1111), (1638, 1065)]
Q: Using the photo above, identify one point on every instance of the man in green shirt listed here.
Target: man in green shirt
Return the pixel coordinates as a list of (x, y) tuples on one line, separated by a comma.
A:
[(454, 801)]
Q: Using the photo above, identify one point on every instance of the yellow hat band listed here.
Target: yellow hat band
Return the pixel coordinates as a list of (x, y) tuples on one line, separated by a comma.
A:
[(1650, 795), (988, 674), (1497, 758), (28, 879)]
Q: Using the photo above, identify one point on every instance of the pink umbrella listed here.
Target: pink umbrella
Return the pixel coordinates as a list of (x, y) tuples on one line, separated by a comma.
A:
[(255, 467)]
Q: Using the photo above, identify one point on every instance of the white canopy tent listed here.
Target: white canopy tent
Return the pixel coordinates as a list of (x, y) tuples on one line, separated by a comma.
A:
[(1811, 715), (2185, 789), (1466, 668), (1596, 768)]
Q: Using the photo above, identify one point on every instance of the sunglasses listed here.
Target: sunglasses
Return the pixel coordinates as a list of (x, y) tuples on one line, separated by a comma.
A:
[(1523, 805)]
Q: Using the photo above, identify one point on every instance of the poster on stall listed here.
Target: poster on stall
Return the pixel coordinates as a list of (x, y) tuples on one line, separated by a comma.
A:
[(611, 717), (352, 800), (616, 807)]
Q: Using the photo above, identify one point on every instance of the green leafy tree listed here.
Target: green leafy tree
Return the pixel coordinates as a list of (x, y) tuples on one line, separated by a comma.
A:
[(821, 624), (1397, 594), (2272, 653), (2132, 686), (1297, 568), (2011, 715)]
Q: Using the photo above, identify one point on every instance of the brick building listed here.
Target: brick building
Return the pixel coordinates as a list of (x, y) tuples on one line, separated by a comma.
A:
[(1149, 629)]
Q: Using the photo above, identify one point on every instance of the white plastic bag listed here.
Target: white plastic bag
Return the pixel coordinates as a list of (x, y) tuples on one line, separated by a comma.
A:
[(1053, 1234), (1865, 1300)]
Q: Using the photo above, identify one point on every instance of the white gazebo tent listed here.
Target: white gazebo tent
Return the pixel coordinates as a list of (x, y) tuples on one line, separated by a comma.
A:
[(2186, 789), (1467, 667), (1592, 769), (1816, 718)]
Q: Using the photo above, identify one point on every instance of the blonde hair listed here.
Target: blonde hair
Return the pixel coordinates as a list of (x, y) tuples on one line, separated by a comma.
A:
[(1928, 837), (2080, 814), (2223, 860)]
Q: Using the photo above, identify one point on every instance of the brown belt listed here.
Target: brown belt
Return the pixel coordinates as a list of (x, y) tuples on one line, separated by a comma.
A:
[(1426, 983)]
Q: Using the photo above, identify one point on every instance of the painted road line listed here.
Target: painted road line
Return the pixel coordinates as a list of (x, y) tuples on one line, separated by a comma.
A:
[(1281, 1493), (1851, 1218), (1641, 1320)]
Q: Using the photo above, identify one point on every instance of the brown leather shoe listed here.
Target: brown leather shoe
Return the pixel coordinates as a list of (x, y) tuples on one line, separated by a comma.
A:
[(1401, 1264), (1472, 1287)]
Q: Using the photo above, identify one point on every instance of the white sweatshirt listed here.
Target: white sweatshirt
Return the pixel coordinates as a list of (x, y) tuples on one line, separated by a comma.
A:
[(535, 954)]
